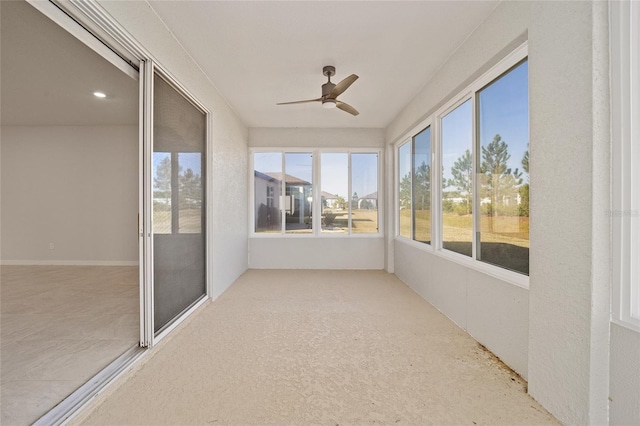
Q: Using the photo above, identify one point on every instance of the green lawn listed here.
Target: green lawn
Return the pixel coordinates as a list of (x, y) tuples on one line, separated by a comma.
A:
[(458, 228)]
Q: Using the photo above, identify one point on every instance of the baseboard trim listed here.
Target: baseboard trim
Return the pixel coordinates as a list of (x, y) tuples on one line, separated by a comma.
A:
[(69, 262)]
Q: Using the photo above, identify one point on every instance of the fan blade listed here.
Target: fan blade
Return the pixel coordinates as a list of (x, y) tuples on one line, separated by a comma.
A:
[(300, 102), (342, 86), (346, 107)]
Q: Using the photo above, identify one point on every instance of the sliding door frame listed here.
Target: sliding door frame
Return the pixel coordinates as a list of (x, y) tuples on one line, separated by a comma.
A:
[(151, 68), (91, 24)]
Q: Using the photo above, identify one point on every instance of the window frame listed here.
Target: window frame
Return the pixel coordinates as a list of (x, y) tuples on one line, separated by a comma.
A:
[(434, 120), (625, 130), (316, 209)]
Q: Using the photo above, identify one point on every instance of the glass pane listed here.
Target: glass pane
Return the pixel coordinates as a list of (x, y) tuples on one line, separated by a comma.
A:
[(422, 186), (298, 192), (335, 192), (457, 179), (162, 193), (364, 201), (191, 196), (503, 171), (267, 191), (404, 192), (179, 135)]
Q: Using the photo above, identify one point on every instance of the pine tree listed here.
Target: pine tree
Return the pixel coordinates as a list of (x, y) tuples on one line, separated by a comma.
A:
[(162, 179), (462, 172), (405, 191), (190, 190), (422, 187), (499, 183)]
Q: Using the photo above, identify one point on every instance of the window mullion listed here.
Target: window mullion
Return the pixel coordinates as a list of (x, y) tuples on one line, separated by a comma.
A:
[(475, 191), (436, 219), (349, 192), (283, 196), (316, 194)]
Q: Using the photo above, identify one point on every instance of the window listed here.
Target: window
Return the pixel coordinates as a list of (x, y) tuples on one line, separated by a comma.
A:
[(503, 165), (177, 192), (347, 193), (364, 200), (625, 114), (298, 199), (404, 190), (335, 192), (267, 180), (414, 180), (477, 210), (421, 184), (457, 180)]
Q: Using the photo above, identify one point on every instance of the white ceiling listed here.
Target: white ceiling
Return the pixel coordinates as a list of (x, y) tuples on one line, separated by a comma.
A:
[(48, 76), (256, 53), (263, 52)]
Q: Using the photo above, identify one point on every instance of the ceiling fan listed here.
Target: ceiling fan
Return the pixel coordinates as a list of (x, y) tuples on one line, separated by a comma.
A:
[(331, 91)]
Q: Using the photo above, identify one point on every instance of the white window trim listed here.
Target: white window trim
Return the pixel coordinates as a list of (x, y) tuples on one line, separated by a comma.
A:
[(396, 189), (434, 120), (316, 191), (625, 132)]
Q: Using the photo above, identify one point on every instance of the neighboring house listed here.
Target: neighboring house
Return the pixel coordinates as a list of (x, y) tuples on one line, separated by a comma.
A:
[(267, 205), (329, 200), (297, 201), (368, 201)]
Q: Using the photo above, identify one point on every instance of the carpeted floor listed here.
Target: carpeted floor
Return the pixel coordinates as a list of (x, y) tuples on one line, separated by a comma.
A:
[(320, 347)]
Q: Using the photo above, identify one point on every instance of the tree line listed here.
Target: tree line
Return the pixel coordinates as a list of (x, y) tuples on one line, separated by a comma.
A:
[(502, 190), (189, 185)]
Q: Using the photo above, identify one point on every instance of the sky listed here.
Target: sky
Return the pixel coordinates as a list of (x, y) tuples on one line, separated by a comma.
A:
[(503, 109)]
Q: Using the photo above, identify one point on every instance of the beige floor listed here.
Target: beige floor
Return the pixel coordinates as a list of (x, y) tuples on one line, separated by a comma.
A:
[(319, 347), (60, 325)]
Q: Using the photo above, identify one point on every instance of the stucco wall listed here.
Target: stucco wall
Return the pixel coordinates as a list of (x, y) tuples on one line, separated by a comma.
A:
[(228, 257), (625, 376), (566, 353)]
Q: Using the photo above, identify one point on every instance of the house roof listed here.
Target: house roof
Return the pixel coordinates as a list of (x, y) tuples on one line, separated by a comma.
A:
[(372, 196), (277, 177), (328, 196)]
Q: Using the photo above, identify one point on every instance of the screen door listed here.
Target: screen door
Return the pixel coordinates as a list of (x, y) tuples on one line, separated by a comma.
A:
[(178, 182)]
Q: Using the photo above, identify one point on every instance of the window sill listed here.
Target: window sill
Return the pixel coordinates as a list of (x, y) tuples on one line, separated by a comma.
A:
[(502, 274), (632, 324), (317, 236)]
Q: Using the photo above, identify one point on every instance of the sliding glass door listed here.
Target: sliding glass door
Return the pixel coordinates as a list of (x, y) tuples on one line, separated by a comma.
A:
[(178, 176)]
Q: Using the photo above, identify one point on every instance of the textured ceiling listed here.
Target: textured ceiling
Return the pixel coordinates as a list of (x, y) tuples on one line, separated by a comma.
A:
[(264, 52), (256, 53)]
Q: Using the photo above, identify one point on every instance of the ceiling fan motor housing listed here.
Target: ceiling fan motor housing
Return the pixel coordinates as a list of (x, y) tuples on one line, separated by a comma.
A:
[(328, 70), (327, 88)]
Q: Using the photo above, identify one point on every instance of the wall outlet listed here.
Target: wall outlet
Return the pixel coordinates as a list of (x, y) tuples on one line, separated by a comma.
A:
[(51, 246)]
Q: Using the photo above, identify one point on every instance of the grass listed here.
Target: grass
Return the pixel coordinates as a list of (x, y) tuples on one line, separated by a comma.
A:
[(458, 228), (506, 246)]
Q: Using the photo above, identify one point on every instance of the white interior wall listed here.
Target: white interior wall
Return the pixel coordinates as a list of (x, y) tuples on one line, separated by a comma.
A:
[(565, 356), (75, 187), (228, 257), (309, 252)]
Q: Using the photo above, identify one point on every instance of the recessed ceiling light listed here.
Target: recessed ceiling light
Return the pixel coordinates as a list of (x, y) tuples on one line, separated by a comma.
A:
[(99, 95)]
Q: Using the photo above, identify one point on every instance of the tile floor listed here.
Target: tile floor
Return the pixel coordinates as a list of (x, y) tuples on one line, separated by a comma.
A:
[(59, 326)]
